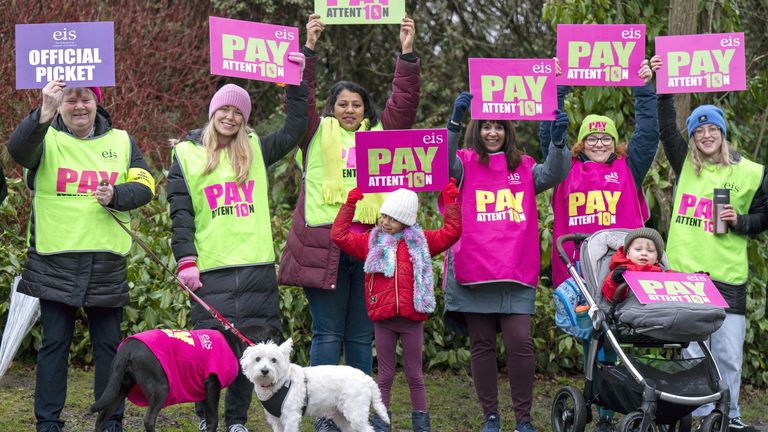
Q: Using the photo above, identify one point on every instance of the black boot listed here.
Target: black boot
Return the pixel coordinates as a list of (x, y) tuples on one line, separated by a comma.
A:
[(379, 425), (420, 421)]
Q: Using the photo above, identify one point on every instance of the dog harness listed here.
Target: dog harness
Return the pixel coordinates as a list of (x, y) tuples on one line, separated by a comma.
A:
[(274, 405), (187, 357)]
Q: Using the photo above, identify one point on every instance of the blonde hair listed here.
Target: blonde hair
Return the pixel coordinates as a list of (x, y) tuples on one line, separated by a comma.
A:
[(240, 151), (698, 159)]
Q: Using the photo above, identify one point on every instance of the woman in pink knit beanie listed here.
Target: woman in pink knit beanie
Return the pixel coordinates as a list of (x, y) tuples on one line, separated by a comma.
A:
[(222, 231)]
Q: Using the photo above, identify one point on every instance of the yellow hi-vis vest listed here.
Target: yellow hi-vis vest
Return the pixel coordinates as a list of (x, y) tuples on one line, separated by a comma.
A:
[(317, 212), (692, 246), (232, 223), (67, 216)]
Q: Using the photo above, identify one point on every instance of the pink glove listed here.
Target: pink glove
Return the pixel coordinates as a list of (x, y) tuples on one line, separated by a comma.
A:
[(188, 273), (298, 58)]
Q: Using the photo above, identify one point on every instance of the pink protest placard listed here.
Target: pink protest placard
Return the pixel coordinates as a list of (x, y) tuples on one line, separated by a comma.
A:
[(360, 11), (654, 287), (255, 51), (416, 159), (701, 63), (513, 89), (600, 54)]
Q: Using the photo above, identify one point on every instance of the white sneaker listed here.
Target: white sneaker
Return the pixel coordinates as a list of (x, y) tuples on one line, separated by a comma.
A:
[(203, 426), (237, 428)]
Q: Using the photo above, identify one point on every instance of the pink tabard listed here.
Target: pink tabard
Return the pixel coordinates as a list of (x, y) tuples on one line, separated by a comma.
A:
[(188, 357), (594, 196), (500, 228)]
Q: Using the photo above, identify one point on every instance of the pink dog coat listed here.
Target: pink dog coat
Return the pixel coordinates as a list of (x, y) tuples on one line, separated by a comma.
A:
[(187, 357)]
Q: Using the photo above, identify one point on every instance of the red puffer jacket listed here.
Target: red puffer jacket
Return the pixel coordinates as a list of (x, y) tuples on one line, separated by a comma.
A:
[(619, 259), (390, 297)]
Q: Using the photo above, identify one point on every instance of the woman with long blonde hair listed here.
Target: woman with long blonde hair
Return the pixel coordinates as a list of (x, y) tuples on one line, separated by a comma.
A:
[(238, 147), (222, 230), (703, 161)]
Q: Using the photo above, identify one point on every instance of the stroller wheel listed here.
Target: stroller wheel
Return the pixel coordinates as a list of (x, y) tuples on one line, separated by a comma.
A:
[(713, 422), (632, 421), (569, 412)]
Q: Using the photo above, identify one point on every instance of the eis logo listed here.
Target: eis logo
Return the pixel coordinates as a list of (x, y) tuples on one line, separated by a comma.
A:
[(513, 179), (205, 341), (64, 35), (612, 177), (109, 154)]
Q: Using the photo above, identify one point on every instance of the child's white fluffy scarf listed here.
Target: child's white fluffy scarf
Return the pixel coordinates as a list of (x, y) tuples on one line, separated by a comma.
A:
[(383, 253)]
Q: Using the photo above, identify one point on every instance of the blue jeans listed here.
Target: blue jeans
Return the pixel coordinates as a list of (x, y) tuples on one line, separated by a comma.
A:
[(339, 319), (727, 346)]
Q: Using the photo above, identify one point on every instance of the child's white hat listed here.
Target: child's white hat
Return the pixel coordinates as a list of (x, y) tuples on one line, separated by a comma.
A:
[(402, 205)]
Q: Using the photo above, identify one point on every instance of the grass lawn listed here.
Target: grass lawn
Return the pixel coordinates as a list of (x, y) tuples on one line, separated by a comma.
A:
[(451, 399)]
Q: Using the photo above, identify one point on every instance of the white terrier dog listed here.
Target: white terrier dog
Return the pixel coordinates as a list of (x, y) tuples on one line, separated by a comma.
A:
[(288, 391)]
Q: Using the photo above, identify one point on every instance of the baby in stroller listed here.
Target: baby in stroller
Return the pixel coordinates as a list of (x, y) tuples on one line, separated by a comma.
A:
[(651, 390), (641, 251)]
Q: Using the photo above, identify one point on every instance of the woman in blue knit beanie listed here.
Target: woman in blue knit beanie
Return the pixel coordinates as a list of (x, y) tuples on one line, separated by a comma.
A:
[(704, 161), (708, 148)]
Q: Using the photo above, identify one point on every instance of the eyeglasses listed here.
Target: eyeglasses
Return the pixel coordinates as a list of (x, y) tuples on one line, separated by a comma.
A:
[(712, 130), (606, 140)]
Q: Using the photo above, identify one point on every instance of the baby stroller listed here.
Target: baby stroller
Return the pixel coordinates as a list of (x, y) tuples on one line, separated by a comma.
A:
[(650, 390)]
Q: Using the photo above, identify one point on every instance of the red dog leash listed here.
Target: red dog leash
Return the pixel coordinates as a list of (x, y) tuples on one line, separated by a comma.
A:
[(214, 313)]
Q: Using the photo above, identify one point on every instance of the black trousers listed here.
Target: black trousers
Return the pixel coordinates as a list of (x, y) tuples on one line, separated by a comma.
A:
[(58, 320)]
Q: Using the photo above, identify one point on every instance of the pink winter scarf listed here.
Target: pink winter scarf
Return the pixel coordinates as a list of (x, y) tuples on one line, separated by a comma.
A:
[(383, 253)]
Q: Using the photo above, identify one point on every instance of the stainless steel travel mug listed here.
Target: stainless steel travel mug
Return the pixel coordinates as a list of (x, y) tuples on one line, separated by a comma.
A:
[(720, 199)]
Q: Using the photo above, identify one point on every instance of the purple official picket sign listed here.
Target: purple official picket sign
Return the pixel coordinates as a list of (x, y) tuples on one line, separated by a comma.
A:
[(415, 159), (655, 287), (81, 54), (600, 54), (255, 51), (512, 89), (701, 63)]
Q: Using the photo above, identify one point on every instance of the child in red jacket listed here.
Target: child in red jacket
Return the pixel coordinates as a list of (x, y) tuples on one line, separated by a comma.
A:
[(399, 284), (642, 251)]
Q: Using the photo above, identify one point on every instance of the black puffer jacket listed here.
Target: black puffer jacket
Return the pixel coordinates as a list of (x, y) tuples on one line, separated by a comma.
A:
[(245, 296), (82, 278)]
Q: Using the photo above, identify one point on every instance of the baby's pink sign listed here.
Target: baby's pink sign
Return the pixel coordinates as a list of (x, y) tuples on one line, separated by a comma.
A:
[(600, 54), (512, 89), (655, 287), (255, 51), (701, 63), (416, 159)]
